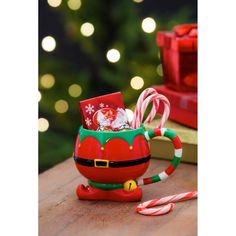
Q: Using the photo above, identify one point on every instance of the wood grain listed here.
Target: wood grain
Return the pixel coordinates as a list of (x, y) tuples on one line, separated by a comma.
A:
[(61, 213)]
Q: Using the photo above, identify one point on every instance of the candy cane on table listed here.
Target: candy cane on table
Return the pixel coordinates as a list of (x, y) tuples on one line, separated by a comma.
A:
[(142, 97), (143, 103), (144, 208)]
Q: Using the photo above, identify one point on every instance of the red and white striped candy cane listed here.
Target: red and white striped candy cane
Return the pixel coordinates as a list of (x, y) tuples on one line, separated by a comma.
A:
[(156, 97), (145, 207), (137, 115), (142, 104)]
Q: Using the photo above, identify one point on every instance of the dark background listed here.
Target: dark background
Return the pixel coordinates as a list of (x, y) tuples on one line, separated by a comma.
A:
[(82, 60)]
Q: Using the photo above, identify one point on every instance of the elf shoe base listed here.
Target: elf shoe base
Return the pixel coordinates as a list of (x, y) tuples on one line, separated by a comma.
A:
[(118, 195)]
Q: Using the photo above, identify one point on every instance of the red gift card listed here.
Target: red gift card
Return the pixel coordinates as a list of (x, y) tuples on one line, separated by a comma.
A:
[(93, 108)]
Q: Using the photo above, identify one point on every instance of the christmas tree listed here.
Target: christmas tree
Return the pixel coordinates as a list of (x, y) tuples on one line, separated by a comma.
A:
[(90, 48)]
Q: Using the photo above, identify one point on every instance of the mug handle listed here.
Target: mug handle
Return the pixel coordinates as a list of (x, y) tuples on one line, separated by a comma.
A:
[(176, 159)]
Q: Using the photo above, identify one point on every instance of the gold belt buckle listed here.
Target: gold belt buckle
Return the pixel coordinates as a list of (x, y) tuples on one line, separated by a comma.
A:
[(100, 163)]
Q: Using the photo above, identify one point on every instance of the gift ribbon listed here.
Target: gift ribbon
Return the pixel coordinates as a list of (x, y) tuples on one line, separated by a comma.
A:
[(186, 30)]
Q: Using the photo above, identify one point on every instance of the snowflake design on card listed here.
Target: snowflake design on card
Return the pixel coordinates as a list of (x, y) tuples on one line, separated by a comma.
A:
[(89, 109), (88, 121), (101, 105)]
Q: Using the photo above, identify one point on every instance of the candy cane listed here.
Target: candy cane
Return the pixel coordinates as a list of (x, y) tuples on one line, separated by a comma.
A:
[(137, 114), (142, 104), (141, 98), (141, 108), (144, 208), (153, 98), (157, 211)]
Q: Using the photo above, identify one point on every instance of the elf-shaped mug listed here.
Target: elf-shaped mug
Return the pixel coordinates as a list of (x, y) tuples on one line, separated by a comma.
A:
[(113, 162)]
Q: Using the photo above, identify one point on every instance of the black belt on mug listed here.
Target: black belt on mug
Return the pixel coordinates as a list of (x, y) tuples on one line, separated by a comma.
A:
[(100, 163)]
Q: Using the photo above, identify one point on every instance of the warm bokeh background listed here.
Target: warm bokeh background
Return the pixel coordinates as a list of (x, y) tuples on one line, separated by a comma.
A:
[(75, 63)]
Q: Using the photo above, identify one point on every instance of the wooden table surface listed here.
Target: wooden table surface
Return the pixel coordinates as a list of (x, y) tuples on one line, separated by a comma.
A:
[(61, 213)]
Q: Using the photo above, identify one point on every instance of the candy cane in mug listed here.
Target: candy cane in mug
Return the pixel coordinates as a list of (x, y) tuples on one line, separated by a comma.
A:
[(137, 114), (154, 98), (143, 101)]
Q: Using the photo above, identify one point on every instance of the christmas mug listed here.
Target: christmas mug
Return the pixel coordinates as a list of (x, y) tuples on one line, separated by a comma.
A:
[(113, 162)]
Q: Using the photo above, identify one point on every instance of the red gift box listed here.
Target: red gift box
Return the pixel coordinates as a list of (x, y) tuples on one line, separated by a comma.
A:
[(183, 105), (107, 104), (179, 57)]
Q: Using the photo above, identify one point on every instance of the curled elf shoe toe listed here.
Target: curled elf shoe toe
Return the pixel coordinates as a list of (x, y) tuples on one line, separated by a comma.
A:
[(89, 193)]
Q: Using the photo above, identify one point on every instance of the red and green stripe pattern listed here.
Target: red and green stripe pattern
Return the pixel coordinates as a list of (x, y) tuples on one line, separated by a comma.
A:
[(177, 156)]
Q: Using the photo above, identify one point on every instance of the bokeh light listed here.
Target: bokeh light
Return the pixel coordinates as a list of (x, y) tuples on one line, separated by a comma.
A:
[(47, 81), (61, 106), (113, 55), (130, 114), (138, 1), (148, 25), (54, 3), (160, 70), (137, 82), (75, 90), (87, 29), (74, 4), (43, 125), (48, 43), (39, 96)]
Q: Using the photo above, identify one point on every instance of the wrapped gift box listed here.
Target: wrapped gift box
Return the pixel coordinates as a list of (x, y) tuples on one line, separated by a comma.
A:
[(183, 105), (179, 57)]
